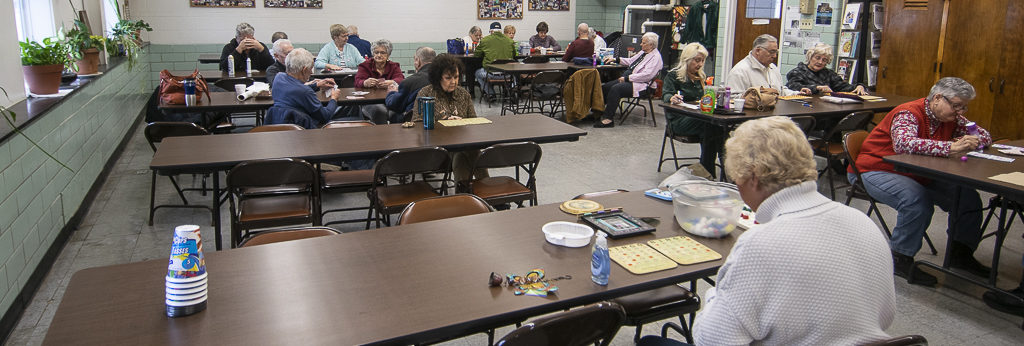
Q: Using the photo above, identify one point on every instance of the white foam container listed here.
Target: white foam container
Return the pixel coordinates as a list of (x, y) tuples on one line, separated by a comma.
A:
[(568, 234)]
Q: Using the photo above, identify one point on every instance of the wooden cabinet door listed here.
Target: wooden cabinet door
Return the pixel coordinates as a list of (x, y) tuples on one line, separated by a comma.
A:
[(972, 49), (746, 32), (1008, 113), (910, 46)]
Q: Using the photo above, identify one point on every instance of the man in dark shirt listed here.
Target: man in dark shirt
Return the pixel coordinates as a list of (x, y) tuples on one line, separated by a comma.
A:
[(362, 45), (245, 46), (402, 98), (582, 47)]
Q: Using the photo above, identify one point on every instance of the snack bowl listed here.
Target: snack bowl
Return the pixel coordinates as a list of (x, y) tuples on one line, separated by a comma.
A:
[(707, 209), (568, 234)]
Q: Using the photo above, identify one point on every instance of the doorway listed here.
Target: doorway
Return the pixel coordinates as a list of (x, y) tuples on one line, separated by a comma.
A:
[(754, 18)]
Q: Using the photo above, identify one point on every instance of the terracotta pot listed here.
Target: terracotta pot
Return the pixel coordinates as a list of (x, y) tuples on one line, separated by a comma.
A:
[(90, 62), (43, 79)]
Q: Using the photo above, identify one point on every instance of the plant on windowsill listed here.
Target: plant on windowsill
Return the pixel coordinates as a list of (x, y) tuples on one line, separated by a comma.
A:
[(86, 48), (124, 38), (42, 63), (11, 118)]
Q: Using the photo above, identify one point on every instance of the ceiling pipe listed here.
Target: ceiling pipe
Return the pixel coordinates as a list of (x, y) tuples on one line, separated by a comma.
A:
[(630, 8), (643, 27)]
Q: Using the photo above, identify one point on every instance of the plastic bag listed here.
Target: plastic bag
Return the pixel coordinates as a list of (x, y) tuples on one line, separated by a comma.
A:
[(684, 174)]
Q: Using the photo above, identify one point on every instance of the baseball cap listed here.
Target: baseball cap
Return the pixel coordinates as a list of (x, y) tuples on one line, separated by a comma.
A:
[(495, 26)]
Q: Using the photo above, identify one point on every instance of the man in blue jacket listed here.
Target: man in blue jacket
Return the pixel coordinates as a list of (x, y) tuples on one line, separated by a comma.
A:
[(402, 98), (362, 45)]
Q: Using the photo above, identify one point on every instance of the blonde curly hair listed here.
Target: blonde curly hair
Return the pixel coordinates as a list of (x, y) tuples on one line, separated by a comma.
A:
[(774, 150)]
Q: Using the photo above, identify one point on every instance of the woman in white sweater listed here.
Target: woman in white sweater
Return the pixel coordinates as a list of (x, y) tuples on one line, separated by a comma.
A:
[(813, 271)]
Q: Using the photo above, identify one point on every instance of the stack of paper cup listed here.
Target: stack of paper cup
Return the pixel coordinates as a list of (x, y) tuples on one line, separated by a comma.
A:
[(186, 273)]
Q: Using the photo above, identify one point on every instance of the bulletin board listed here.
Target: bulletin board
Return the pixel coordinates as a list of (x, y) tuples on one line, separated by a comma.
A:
[(222, 3), (549, 5), (500, 9), (317, 4)]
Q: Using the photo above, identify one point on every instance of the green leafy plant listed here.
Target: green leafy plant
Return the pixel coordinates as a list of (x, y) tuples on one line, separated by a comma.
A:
[(80, 39), (11, 118), (123, 39), (52, 51)]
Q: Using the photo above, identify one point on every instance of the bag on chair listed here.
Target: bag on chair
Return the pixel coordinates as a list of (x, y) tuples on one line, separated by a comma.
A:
[(456, 46), (760, 98), (172, 88)]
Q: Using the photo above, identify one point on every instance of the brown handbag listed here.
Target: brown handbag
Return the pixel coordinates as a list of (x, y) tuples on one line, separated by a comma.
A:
[(172, 88), (760, 98)]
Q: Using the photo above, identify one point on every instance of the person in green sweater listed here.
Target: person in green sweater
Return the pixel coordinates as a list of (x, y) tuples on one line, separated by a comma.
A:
[(684, 83), (495, 46)]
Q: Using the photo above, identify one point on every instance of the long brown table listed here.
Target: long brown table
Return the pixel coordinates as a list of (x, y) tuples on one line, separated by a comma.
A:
[(213, 76), (399, 285), (226, 101), (817, 109), (212, 154)]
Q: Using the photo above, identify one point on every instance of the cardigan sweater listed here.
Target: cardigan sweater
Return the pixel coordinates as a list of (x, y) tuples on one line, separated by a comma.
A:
[(546, 42), (367, 69), (645, 71), (812, 272), (330, 54)]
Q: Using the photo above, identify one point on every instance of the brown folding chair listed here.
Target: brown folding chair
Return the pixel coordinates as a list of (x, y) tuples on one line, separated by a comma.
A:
[(833, 151), (156, 132), (505, 189), (289, 195), (592, 324), (652, 92), (503, 81), (276, 127), (906, 340), (443, 207), (404, 165), (852, 142), (281, 235), (346, 181)]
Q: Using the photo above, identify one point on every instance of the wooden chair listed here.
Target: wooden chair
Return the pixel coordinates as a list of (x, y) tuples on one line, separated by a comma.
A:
[(345, 181), (594, 324), (630, 103), (852, 142), (297, 203), (833, 151), (155, 133), (443, 207), (505, 189), (281, 235), (405, 164)]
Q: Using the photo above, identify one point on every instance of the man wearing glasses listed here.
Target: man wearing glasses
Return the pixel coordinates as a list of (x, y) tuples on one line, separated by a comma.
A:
[(933, 126), (758, 69)]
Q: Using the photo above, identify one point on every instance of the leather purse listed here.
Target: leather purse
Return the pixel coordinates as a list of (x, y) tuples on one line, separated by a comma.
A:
[(760, 98), (172, 88)]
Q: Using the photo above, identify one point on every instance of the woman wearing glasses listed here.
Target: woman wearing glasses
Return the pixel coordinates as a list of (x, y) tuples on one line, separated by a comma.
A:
[(815, 76), (379, 72), (933, 126), (338, 54)]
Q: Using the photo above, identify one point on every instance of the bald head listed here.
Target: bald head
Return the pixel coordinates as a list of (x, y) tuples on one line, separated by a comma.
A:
[(582, 31), (353, 30), (423, 56)]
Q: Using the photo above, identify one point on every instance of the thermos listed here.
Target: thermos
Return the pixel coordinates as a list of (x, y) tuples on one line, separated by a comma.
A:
[(231, 65), (426, 104), (248, 67), (190, 91)]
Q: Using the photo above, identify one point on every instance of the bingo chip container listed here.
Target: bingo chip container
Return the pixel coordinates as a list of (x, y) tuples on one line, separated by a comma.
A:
[(707, 209)]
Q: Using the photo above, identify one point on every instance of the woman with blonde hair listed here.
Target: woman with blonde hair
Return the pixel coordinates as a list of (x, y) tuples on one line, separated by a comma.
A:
[(816, 76), (338, 54), (684, 83)]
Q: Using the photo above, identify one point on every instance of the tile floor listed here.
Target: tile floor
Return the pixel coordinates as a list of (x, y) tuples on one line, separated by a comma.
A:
[(115, 231)]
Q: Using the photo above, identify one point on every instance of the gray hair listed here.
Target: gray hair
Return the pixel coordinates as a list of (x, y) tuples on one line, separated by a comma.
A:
[(774, 150), (951, 87), (591, 33), (820, 49), (475, 30), (276, 48), (353, 30), (583, 28), (650, 37), (244, 29), (298, 60), (381, 43), (763, 40), (425, 55)]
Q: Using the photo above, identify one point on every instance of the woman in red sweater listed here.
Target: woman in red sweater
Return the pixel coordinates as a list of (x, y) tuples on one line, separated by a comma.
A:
[(379, 72)]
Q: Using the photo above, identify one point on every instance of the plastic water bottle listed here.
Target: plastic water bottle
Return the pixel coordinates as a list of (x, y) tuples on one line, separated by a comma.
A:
[(726, 98), (600, 262), (248, 67), (231, 65)]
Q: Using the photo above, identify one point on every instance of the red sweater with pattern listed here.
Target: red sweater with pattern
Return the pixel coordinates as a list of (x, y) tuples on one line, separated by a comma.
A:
[(879, 143)]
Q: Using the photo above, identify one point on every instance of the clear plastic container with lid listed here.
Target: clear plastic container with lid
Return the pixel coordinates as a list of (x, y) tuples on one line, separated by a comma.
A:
[(707, 209)]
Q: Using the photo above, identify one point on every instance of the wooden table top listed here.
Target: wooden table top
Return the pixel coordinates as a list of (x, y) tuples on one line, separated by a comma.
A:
[(397, 285), (818, 108), (974, 172), (226, 101), (225, 151), (213, 76)]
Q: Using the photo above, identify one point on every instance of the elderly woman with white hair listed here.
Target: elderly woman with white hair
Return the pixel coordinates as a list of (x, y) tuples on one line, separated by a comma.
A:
[(816, 76), (685, 83), (932, 126), (642, 69), (379, 72), (294, 101), (812, 271), (338, 54), (243, 47)]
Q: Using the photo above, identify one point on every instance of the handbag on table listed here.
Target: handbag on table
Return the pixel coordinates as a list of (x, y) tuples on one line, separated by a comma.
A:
[(760, 98), (172, 88)]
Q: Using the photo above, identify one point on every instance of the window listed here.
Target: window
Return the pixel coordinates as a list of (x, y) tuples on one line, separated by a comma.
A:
[(109, 17), (771, 9), (34, 19)]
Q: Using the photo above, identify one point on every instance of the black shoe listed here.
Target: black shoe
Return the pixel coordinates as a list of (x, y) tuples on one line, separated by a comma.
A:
[(962, 257), (600, 124), (1005, 304), (902, 266)]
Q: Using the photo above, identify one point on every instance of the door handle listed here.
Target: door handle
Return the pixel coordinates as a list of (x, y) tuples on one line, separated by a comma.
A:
[(1002, 83), (886, 68), (990, 81)]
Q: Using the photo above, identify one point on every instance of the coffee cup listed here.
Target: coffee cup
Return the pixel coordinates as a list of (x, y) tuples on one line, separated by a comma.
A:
[(737, 104)]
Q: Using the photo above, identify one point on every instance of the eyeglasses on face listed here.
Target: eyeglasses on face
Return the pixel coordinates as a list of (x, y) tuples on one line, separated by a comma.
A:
[(957, 107)]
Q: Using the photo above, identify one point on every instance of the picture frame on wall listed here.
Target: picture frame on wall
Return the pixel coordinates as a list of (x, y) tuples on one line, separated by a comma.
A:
[(315, 4), (549, 5), (499, 9), (222, 3)]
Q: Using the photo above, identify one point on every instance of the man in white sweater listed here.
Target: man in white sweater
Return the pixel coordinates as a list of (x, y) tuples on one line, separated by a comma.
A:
[(813, 271), (758, 69)]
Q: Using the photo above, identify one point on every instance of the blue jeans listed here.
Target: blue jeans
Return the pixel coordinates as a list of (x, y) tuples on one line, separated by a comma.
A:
[(914, 207), (481, 78)]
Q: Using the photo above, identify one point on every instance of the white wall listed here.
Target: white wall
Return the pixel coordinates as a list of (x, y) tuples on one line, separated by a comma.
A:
[(174, 22), (10, 57)]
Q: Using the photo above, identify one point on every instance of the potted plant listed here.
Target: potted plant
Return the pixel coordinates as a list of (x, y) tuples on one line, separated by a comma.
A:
[(85, 48), (42, 63), (124, 37)]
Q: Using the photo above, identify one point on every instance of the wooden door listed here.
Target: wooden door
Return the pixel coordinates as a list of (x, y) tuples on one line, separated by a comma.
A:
[(1008, 111), (746, 32), (910, 46), (972, 49)]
